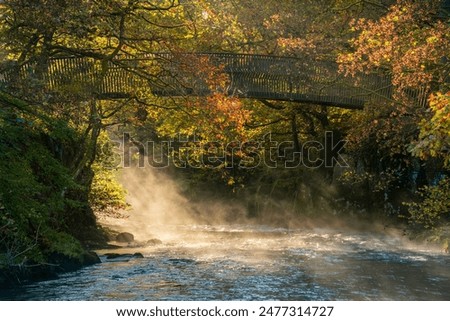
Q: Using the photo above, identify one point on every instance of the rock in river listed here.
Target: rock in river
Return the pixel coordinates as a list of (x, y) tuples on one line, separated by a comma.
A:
[(123, 257), (125, 237)]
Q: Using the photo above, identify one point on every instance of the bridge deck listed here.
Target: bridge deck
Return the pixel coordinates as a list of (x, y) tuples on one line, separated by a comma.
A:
[(248, 76)]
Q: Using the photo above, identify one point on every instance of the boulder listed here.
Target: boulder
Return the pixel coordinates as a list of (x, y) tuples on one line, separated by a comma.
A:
[(125, 237), (123, 257), (153, 242), (91, 258)]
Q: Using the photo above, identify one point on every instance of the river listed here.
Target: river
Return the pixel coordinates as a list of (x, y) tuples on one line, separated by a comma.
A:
[(245, 262), (205, 257)]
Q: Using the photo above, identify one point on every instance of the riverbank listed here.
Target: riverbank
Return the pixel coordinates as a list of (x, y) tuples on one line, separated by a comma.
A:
[(57, 264)]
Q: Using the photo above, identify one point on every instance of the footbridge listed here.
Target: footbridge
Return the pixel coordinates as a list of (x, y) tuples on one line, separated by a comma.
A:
[(197, 74)]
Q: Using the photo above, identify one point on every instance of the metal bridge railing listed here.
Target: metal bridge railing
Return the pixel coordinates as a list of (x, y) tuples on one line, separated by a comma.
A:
[(248, 76)]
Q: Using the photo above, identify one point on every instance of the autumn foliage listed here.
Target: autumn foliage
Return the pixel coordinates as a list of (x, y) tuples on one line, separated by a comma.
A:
[(409, 43)]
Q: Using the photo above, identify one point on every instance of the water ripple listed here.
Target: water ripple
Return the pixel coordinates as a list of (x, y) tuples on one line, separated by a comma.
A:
[(248, 263)]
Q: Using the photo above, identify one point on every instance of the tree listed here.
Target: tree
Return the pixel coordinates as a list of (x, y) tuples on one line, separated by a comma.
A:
[(434, 136), (44, 196), (404, 145), (411, 45)]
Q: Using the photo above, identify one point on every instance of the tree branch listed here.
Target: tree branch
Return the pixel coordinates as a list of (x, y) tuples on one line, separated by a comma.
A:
[(254, 126), (271, 105)]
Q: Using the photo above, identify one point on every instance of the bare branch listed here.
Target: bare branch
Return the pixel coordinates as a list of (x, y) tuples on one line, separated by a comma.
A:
[(271, 105), (254, 126), (148, 6)]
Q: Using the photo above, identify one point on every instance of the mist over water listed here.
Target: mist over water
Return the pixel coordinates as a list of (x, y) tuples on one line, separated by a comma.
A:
[(155, 201), (159, 208), (211, 251)]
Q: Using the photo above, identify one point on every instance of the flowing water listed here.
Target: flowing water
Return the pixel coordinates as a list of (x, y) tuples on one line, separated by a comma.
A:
[(239, 262), (207, 259)]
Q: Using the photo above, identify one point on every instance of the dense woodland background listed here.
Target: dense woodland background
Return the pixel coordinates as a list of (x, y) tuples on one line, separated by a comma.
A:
[(57, 161)]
